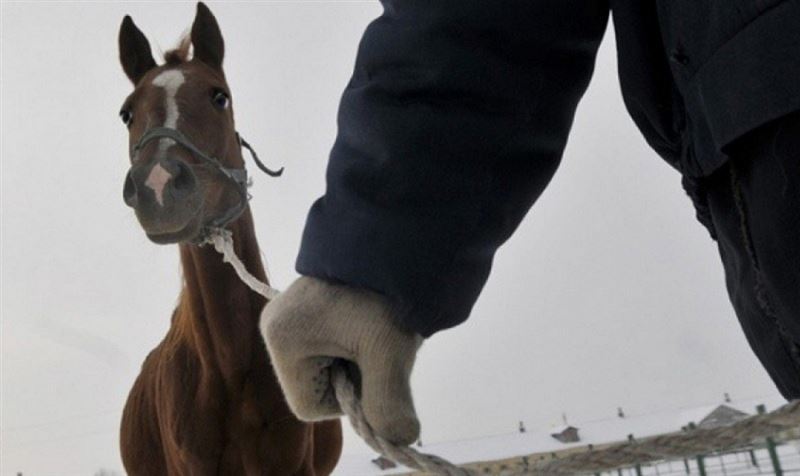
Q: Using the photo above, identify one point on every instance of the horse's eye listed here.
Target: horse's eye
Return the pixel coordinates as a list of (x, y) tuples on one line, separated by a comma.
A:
[(220, 99), (126, 116)]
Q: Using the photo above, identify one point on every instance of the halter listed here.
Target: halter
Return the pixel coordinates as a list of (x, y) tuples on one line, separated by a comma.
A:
[(237, 176)]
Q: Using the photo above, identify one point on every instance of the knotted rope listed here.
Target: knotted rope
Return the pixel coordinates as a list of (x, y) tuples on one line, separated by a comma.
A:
[(222, 240)]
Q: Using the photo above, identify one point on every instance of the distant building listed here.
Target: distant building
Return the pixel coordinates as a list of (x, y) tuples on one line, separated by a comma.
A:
[(723, 415), (566, 434)]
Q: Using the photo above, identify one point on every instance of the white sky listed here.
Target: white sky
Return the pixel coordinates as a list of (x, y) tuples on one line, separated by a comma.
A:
[(608, 295)]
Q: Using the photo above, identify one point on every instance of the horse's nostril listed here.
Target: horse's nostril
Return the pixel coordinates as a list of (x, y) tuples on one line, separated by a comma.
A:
[(129, 191), (183, 182)]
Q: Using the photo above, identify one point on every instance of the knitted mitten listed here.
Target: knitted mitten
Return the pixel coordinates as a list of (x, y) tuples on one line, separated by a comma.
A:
[(313, 322)]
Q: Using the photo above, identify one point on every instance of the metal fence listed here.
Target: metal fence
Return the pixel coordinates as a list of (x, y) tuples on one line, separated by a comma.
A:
[(767, 443), (779, 458)]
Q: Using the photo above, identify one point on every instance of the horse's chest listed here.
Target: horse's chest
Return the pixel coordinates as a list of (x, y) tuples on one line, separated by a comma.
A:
[(241, 398)]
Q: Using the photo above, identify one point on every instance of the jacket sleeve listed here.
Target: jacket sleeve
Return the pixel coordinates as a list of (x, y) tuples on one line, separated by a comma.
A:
[(452, 125)]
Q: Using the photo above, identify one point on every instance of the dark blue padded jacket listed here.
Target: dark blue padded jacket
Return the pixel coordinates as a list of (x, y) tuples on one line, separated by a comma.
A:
[(458, 111)]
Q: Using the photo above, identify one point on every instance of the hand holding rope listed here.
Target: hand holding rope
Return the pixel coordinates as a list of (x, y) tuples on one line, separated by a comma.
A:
[(345, 392)]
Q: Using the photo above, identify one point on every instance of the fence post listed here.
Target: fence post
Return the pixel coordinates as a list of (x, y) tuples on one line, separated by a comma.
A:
[(701, 466), (773, 455), (753, 458), (771, 447)]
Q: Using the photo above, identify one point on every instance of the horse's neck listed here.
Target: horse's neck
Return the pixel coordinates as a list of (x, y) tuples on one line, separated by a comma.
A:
[(218, 313)]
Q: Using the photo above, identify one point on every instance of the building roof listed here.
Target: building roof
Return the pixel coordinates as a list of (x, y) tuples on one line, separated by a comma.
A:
[(539, 440), (723, 415), (560, 429)]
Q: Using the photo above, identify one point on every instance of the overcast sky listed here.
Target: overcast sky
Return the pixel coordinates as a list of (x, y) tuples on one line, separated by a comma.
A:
[(609, 294)]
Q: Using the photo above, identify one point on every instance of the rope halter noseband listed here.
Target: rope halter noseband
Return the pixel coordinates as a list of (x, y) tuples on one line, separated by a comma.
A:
[(237, 176)]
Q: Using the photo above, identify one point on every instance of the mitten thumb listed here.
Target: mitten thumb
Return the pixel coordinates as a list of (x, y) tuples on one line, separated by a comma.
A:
[(386, 389)]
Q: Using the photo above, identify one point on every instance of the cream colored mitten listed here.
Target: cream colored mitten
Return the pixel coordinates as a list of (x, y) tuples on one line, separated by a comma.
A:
[(314, 322)]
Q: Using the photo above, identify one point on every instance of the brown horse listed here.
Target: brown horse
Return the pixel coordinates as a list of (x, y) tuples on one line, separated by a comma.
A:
[(206, 400)]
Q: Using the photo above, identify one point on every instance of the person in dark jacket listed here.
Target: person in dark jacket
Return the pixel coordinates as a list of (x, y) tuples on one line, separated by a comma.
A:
[(453, 124)]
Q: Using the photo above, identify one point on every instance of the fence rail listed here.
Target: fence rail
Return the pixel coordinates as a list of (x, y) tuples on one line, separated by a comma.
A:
[(744, 462), (767, 443)]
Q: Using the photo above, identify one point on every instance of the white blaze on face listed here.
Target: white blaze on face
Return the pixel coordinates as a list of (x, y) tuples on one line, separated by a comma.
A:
[(170, 80), (157, 180)]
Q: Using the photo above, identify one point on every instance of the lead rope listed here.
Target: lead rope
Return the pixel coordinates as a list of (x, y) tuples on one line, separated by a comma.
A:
[(223, 242), (405, 455), (345, 392)]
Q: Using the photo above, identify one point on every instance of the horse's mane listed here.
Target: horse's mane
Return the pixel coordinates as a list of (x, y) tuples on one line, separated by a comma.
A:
[(179, 54)]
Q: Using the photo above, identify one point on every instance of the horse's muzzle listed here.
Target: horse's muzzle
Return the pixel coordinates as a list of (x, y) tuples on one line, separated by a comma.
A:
[(165, 195)]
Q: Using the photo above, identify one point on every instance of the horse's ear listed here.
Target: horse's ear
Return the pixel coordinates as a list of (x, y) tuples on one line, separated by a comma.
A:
[(134, 51), (207, 38)]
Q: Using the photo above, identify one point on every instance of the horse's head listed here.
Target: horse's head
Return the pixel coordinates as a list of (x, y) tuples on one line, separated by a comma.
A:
[(187, 171)]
